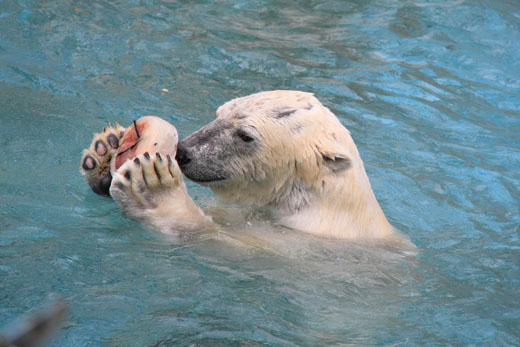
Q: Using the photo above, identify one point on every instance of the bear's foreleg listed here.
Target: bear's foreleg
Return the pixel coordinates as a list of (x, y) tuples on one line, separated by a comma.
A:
[(150, 189)]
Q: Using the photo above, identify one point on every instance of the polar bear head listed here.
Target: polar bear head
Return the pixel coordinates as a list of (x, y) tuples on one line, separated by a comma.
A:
[(277, 148)]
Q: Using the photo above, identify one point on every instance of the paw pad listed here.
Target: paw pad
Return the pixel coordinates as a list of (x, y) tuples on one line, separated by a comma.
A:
[(89, 163), (101, 148), (113, 141)]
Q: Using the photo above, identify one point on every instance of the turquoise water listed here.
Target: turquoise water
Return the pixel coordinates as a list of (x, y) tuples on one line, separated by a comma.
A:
[(430, 91)]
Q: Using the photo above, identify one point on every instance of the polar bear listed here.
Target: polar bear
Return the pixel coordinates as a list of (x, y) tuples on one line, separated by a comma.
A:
[(280, 149)]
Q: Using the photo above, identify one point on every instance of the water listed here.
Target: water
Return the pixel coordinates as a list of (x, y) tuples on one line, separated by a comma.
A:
[(430, 91)]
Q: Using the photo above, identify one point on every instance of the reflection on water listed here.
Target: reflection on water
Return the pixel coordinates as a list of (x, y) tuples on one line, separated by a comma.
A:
[(429, 91)]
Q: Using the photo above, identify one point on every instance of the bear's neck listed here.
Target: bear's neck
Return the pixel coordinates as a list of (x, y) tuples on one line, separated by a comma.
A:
[(345, 208)]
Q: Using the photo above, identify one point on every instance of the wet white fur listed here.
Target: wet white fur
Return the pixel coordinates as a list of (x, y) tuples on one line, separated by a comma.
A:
[(290, 175), (307, 170)]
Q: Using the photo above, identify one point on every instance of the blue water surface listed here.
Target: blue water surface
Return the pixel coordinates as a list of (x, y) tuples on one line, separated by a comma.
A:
[(430, 91)]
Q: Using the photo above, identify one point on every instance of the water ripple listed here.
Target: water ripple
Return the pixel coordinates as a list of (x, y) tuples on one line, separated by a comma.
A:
[(429, 91)]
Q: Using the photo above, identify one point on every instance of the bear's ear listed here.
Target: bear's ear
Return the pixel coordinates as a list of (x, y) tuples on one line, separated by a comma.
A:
[(336, 162)]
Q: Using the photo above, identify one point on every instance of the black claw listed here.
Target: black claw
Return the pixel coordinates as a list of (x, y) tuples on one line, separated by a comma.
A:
[(158, 156), (100, 147), (137, 161), (89, 163), (113, 141), (121, 134), (127, 175), (147, 155), (169, 159)]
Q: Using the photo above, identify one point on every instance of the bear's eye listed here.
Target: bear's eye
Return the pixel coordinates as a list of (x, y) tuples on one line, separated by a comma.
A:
[(244, 137)]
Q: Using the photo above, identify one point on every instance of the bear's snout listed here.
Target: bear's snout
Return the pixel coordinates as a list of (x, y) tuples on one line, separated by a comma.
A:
[(201, 162)]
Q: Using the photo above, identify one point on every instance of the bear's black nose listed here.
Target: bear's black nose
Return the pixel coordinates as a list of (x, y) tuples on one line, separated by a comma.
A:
[(182, 156)]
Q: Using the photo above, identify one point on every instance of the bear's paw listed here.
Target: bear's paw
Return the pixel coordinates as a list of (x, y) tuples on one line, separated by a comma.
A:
[(150, 189), (95, 161)]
